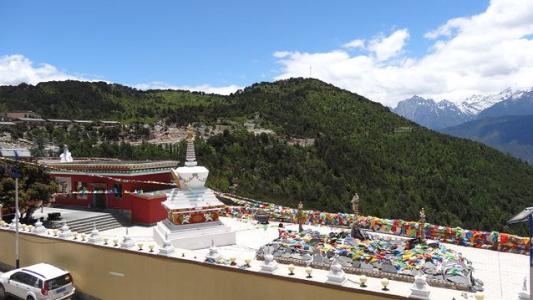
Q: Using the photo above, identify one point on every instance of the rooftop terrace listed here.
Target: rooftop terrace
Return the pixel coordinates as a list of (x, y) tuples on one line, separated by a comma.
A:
[(502, 273)]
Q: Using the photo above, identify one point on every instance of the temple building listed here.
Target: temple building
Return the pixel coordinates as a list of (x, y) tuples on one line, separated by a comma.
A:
[(192, 209), (129, 186)]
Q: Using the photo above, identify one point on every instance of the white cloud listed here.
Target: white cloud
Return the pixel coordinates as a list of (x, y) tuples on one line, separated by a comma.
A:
[(387, 47), (15, 69), (281, 54), (221, 90), (481, 54), (355, 44)]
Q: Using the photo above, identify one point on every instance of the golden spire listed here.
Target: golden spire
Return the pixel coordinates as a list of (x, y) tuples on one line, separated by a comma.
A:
[(190, 156), (190, 133)]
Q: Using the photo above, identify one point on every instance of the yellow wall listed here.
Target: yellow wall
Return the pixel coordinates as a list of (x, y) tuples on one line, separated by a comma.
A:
[(156, 277)]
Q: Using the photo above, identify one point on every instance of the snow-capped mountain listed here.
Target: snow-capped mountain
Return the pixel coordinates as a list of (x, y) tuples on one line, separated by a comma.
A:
[(477, 103), (516, 103), (442, 114), (432, 114)]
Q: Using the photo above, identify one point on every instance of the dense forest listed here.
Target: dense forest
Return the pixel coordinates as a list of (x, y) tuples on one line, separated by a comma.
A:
[(396, 166), (509, 134), (100, 101)]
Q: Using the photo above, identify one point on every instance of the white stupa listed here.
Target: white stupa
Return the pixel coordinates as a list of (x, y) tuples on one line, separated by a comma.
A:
[(193, 210), (66, 156)]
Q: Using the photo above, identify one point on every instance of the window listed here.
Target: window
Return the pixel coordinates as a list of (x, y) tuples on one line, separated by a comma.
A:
[(31, 281), (25, 278), (59, 281), (18, 277)]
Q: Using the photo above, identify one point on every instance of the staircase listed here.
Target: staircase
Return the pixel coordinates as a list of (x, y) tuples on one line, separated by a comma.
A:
[(104, 221)]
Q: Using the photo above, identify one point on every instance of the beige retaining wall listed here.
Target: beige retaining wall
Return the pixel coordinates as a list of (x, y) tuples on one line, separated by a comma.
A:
[(109, 273)]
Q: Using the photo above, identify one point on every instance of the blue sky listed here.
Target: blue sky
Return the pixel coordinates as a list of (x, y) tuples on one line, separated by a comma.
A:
[(215, 43)]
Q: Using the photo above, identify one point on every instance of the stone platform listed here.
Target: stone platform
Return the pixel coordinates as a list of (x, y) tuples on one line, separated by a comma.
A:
[(194, 236)]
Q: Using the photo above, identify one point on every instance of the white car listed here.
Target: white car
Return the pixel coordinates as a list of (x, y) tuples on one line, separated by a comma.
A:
[(37, 282)]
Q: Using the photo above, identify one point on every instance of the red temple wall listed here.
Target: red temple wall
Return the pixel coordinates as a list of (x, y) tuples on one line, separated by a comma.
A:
[(143, 209), (147, 210)]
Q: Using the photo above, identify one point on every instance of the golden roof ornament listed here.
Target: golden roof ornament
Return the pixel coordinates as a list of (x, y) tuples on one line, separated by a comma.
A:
[(190, 156), (190, 133)]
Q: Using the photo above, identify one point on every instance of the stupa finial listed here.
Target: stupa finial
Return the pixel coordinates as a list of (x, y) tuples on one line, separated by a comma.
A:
[(190, 157), (190, 133)]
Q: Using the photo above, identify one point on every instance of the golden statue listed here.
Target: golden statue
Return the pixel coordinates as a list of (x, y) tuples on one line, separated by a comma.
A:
[(300, 216), (355, 205), (422, 215), (421, 224)]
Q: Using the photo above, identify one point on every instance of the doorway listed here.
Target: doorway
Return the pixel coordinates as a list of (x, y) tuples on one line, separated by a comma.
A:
[(99, 196)]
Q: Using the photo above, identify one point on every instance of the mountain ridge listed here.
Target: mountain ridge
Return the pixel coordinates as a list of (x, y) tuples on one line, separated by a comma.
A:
[(509, 134), (430, 113), (445, 113)]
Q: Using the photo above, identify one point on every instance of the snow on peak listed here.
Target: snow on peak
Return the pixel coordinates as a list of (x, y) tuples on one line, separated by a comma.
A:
[(477, 103)]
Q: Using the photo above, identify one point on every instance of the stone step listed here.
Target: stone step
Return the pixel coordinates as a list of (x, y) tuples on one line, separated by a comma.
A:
[(103, 228), (95, 218), (102, 222), (108, 227), (90, 226)]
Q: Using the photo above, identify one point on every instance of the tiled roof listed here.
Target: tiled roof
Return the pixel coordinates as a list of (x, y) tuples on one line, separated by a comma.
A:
[(110, 167)]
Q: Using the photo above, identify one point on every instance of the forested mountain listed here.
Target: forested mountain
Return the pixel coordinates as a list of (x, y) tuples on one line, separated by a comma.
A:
[(509, 134), (98, 100), (360, 146)]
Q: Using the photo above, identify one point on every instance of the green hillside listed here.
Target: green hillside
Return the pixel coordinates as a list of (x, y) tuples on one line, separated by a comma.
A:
[(360, 146), (509, 134), (98, 100)]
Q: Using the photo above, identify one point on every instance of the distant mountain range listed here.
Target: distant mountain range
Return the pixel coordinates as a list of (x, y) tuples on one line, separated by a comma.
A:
[(510, 134), (432, 114), (518, 103), (503, 121), (441, 114)]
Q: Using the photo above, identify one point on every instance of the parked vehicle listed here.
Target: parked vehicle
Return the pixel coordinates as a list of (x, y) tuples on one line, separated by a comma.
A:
[(38, 282)]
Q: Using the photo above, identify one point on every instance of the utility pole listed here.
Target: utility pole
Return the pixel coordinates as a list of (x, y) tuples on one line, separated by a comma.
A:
[(15, 173), (17, 216)]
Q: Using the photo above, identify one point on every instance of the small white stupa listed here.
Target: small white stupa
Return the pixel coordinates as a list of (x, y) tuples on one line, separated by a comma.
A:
[(193, 210), (66, 156)]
